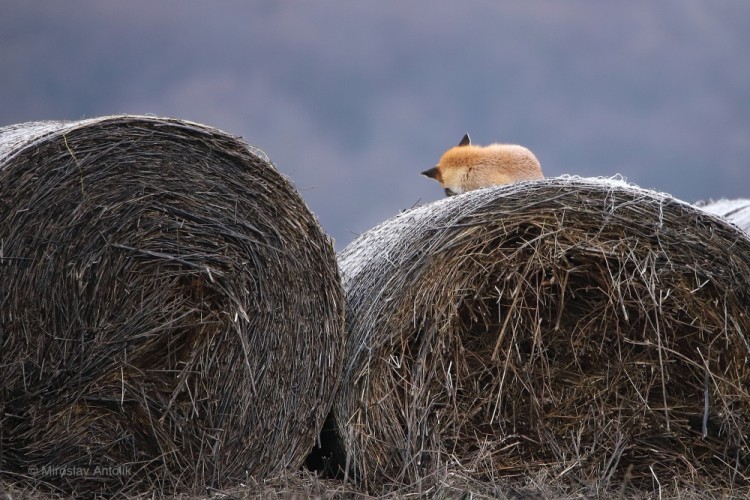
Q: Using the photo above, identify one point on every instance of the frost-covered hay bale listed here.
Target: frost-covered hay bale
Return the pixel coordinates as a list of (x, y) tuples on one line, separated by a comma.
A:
[(170, 310), (585, 327), (737, 211)]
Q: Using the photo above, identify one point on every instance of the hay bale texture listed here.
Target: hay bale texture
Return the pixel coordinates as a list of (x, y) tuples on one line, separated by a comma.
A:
[(587, 328), (171, 314), (736, 211)]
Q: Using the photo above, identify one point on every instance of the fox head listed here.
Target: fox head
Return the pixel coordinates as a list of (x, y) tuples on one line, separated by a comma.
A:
[(467, 167)]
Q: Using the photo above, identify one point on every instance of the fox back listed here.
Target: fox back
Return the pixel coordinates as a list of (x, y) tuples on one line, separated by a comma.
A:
[(467, 167)]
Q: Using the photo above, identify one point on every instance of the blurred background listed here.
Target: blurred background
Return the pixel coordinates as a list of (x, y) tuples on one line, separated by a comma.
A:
[(352, 99)]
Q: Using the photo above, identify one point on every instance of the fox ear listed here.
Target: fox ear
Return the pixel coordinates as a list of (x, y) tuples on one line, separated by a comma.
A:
[(466, 141), (431, 173)]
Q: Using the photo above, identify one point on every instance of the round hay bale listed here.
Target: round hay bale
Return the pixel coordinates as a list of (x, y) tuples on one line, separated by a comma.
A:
[(171, 314), (585, 327), (736, 211)]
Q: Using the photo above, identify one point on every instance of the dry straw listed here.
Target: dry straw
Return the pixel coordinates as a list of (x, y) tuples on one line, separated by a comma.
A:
[(585, 329), (170, 310), (737, 211)]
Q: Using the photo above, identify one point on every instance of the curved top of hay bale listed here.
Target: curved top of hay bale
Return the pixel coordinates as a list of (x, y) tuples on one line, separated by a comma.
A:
[(582, 325), (168, 305), (736, 211)]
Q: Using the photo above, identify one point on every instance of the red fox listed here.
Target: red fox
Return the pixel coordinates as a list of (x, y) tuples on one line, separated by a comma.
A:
[(467, 167)]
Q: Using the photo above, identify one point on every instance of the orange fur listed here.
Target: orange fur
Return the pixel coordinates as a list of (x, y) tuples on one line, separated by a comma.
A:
[(467, 167)]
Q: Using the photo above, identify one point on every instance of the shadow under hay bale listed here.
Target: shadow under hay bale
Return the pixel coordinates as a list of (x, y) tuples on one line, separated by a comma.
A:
[(736, 211), (583, 327), (171, 314)]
